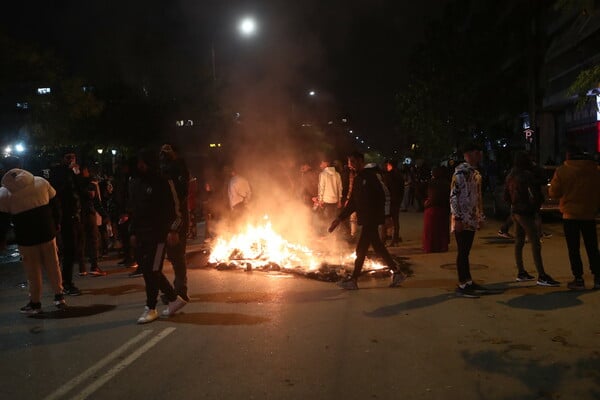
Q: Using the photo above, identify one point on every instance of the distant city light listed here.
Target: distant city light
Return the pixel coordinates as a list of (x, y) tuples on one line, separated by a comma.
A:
[(100, 151), (44, 90), (19, 148), (351, 131), (312, 93), (114, 152), (8, 150)]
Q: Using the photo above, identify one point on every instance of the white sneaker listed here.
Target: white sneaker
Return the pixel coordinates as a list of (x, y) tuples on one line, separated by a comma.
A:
[(174, 306), (148, 315)]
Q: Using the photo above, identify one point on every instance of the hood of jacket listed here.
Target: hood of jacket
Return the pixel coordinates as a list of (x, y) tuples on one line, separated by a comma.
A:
[(329, 170), (464, 167), (17, 179)]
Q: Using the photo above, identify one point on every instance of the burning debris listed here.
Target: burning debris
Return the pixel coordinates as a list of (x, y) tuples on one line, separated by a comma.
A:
[(261, 248)]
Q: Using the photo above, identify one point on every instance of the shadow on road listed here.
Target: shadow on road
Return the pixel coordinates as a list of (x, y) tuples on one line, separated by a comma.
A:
[(75, 312), (115, 290), (395, 309), (223, 319), (541, 378), (546, 301), (268, 297)]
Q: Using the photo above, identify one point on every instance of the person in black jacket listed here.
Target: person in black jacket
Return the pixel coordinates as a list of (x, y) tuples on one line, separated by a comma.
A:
[(394, 181), (155, 223), (370, 200), (174, 168), (523, 192), (66, 180)]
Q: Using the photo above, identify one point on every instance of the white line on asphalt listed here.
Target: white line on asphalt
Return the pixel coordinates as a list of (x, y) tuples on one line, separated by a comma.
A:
[(67, 387), (122, 365)]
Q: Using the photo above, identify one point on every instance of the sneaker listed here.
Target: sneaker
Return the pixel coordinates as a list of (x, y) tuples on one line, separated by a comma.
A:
[(467, 292), (348, 284), (31, 308), (135, 274), (97, 272), (546, 235), (148, 315), (174, 306), (83, 273), (72, 291), (474, 287), (59, 301), (546, 280), (505, 235), (397, 278), (576, 284), (525, 277)]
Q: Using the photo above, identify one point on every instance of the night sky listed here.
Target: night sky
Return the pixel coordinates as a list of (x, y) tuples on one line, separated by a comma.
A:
[(353, 53)]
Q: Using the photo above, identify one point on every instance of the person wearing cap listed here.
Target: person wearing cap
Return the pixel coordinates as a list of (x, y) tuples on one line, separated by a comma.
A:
[(155, 224), (577, 184), (466, 208), (174, 168)]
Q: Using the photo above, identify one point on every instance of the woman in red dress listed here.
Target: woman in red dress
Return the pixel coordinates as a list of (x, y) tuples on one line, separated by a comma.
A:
[(436, 218)]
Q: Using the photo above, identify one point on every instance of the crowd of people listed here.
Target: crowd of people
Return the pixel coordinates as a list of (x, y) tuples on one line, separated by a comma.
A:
[(147, 211)]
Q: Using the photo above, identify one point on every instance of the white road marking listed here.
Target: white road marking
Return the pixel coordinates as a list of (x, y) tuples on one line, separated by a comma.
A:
[(67, 387), (95, 385)]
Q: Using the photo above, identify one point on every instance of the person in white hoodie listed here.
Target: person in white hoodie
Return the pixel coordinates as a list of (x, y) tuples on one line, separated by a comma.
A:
[(329, 195), (30, 203)]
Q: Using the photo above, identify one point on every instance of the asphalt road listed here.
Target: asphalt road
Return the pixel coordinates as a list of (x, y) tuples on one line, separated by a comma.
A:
[(257, 335)]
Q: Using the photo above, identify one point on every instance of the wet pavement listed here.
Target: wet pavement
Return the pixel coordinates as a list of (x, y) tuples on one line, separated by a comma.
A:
[(274, 335)]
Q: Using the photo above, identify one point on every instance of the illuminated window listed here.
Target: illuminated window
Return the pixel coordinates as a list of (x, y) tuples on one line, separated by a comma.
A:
[(44, 90)]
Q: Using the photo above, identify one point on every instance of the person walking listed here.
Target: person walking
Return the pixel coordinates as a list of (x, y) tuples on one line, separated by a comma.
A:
[(370, 199), (523, 193), (155, 223), (174, 168), (30, 203), (466, 208), (577, 184)]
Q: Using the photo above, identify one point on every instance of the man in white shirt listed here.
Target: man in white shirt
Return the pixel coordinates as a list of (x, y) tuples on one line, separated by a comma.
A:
[(329, 195)]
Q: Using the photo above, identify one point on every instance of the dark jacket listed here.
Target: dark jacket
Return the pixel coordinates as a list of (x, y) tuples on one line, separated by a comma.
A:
[(523, 192), (394, 181), (68, 192), (369, 197), (154, 207)]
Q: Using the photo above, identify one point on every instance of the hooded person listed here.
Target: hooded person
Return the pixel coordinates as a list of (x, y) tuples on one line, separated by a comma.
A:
[(29, 202)]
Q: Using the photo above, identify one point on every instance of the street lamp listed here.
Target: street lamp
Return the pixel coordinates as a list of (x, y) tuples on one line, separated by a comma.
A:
[(312, 93), (247, 26), (100, 151)]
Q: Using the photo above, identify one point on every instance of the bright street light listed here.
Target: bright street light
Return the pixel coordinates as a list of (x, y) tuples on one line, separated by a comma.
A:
[(100, 151), (114, 152), (19, 148), (312, 93), (247, 26)]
